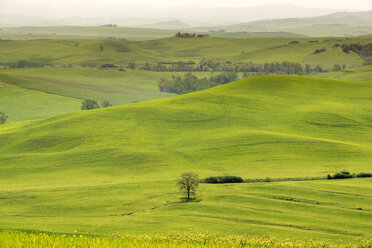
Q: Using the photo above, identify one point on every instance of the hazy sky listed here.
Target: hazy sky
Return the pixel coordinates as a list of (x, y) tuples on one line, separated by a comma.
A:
[(330, 4), (147, 9)]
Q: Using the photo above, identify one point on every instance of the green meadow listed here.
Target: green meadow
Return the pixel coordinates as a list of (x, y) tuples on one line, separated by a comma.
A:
[(114, 170)]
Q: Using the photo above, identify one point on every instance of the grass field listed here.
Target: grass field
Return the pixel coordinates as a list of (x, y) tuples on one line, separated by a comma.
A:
[(54, 171), (39, 104)]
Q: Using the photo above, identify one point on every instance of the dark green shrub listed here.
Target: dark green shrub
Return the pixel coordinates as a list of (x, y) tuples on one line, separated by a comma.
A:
[(89, 104), (319, 50), (106, 104), (362, 174), (3, 118), (341, 175), (223, 179)]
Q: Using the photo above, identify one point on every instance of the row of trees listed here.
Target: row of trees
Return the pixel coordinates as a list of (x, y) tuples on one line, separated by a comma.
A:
[(285, 68)]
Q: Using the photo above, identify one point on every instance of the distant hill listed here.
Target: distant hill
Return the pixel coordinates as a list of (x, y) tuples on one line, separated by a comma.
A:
[(337, 24), (135, 15), (174, 24), (245, 34)]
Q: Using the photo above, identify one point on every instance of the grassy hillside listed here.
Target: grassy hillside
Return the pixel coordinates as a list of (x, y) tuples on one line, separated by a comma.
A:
[(21, 104), (77, 52), (55, 170), (119, 87)]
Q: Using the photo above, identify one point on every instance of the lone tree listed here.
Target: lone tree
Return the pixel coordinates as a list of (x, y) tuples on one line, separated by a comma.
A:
[(188, 183), (89, 104), (3, 118)]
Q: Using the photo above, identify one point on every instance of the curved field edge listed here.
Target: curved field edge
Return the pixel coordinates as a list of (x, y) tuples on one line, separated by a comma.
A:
[(180, 240)]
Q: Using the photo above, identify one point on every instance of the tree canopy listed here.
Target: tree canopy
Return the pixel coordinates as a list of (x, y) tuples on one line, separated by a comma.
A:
[(188, 183)]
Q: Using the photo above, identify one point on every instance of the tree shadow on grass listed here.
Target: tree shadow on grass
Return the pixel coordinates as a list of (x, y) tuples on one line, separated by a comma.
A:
[(192, 199)]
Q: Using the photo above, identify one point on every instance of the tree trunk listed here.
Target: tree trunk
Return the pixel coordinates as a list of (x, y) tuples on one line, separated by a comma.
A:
[(188, 194)]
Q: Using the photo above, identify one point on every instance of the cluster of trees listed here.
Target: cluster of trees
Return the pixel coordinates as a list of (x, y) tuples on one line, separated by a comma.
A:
[(185, 84), (346, 48), (3, 118), (93, 104), (189, 82), (224, 78), (354, 47)]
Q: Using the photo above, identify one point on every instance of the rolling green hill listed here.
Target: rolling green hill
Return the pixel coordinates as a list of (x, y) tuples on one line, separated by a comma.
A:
[(122, 87), (77, 52), (114, 169)]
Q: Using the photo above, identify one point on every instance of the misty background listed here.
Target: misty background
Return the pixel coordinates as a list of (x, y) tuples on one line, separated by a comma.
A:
[(165, 14)]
